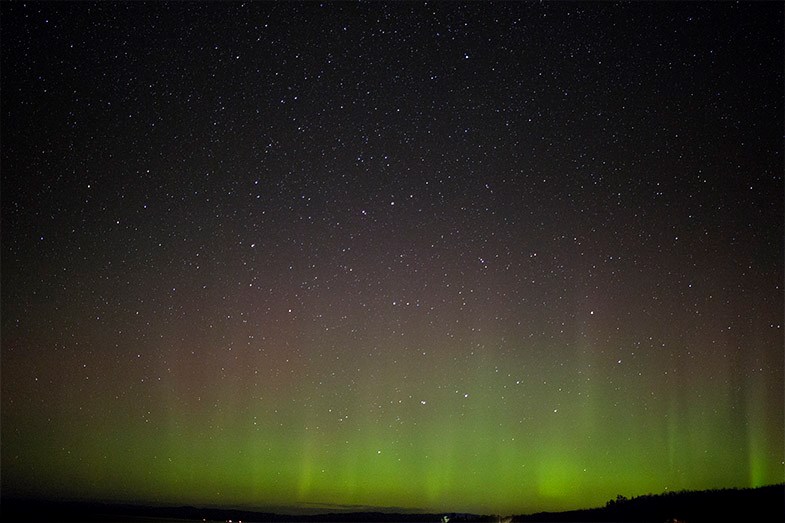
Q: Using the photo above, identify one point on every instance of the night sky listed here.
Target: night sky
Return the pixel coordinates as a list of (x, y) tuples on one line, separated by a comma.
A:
[(494, 258)]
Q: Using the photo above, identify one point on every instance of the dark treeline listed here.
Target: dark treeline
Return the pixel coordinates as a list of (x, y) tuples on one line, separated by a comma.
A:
[(764, 504)]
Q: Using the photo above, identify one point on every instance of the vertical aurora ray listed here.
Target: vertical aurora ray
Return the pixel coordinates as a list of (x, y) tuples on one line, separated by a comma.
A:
[(763, 424)]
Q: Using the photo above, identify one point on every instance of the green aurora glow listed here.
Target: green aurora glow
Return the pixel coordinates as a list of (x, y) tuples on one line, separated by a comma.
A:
[(515, 433)]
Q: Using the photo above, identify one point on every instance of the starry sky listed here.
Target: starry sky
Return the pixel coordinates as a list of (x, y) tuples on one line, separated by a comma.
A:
[(487, 257)]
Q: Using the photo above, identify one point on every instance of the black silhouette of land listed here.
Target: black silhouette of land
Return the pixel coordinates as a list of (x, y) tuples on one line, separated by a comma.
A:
[(764, 504)]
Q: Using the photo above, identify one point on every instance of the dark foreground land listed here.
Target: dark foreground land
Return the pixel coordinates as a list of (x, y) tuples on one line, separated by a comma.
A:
[(72, 511), (765, 504)]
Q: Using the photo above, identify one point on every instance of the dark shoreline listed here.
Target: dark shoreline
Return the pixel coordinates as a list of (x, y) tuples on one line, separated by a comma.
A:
[(762, 504)]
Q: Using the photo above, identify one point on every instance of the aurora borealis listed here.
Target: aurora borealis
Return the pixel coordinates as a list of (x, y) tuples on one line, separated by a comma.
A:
[(486, 257)]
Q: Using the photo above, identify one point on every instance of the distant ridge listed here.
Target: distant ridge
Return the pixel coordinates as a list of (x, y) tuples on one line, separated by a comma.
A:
[(761, 505), (40, 511)]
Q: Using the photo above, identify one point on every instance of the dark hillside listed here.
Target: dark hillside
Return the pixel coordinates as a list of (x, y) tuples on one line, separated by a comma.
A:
[(765, 504)]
